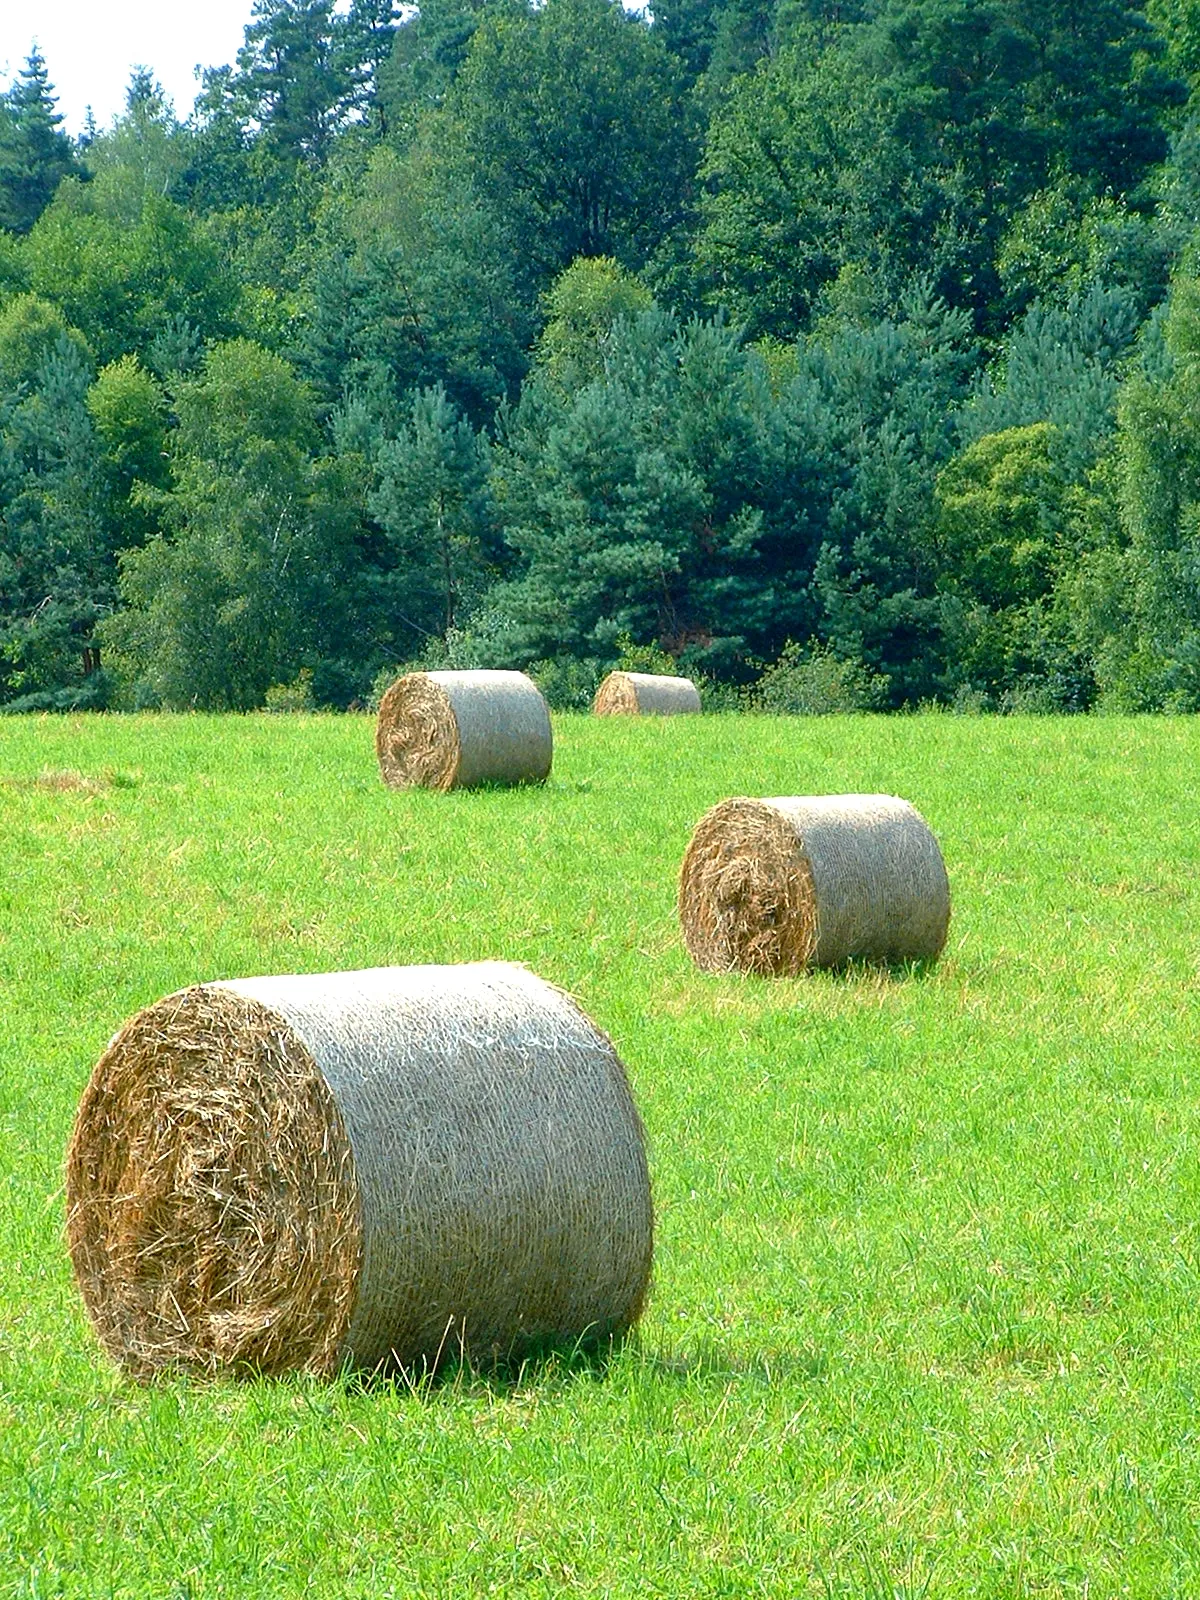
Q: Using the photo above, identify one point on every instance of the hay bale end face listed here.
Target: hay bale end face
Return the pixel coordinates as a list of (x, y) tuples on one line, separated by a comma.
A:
[(357, 1169), (452, 730), (645, 694), (777, 886)]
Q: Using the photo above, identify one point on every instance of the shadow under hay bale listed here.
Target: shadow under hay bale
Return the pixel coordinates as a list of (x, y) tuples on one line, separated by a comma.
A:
[(645, 694), (454, 730), (358, 1170), (777, 886)]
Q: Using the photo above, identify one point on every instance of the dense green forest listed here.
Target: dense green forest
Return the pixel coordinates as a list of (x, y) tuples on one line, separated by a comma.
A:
[(849, 350)]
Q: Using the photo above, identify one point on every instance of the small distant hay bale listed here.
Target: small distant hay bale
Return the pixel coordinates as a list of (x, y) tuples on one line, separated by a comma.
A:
[(452, 730), (777, 886), (645, 694), (357, 1170)]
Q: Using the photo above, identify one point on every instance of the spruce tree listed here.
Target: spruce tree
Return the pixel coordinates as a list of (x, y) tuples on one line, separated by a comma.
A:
[(35, 154), (430, 503), (57, 574)]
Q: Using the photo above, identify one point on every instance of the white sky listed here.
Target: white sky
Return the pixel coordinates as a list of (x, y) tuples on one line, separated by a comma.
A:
[(92, 46)]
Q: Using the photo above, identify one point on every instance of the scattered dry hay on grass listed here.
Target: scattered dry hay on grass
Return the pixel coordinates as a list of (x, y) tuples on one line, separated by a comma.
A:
[(357, 1169), (452, 730), (645, 694), (776, 886), (66, 781)]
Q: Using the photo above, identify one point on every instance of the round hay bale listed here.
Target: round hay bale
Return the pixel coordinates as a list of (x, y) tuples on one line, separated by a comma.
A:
[(775, 886), (452, 730), (645, 694), (357, 1169)]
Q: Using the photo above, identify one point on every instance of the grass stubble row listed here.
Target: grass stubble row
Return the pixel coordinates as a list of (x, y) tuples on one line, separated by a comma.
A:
[(381, 1168)]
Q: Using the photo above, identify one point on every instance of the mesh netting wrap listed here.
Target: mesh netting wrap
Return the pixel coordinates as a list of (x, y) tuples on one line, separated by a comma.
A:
[(357, 1169), (775, 886), (645, 694), (451, 730)]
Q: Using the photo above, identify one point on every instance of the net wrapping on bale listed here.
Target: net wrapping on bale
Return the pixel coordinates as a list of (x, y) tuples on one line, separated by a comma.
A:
[(356, 1169), (645, 694), (452, 730), (779, 885)]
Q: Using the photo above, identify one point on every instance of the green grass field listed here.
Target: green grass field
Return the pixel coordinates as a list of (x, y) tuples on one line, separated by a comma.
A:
[(926, 1314)]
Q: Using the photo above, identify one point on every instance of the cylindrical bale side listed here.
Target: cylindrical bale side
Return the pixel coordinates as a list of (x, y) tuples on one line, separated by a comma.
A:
[(452, 730), (357, 1169), (645, 694), (776, 886)]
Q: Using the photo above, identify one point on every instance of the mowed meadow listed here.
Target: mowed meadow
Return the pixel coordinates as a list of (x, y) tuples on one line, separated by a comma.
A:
[(926, 1307)]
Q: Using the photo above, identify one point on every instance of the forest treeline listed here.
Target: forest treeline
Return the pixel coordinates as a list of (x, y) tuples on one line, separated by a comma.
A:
[(852, 349)]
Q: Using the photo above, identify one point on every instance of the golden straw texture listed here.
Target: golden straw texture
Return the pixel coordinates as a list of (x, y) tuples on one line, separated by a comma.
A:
[(775, 886), (645, 694), (407, 1163), (213, 1213), (452, 730)]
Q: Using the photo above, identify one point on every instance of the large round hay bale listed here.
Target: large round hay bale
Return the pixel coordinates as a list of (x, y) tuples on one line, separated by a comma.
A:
[(357, 1169), (775, 886), (645, 694), (451, 730)]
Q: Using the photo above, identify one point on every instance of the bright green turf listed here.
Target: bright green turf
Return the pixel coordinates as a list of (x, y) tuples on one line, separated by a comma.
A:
[(926, 1316)]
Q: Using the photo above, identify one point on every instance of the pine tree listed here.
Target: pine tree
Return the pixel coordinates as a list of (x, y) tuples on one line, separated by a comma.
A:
[(365, 35), (292, 79), (428, 49), (644, 503), (1059, 364)]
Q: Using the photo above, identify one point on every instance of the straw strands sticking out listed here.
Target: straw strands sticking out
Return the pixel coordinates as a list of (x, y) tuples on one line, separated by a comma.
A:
[(776, 886), (645, 694), (451, 730), (357, 1169)]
